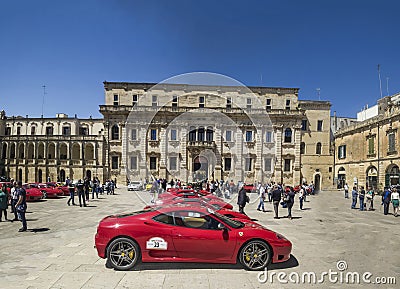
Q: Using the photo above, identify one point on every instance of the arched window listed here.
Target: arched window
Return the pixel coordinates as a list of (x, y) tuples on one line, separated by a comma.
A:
[(302, 148), (115, 132), (318, 148), (192, 134), (209, 134), (288, 135), (200, 134)]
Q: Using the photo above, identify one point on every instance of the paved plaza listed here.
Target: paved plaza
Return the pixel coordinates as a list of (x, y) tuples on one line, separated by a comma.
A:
[(58, 251)]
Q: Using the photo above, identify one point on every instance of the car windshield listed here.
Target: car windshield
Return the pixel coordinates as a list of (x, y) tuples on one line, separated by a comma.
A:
[(232, 223), (135, 183)]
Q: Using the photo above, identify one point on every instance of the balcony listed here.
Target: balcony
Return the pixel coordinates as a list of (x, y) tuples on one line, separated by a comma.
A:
[(201, 144)]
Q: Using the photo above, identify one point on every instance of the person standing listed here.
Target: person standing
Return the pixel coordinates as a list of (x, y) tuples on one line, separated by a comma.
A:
[(354, 195), (346, 191), (301, 197), (276, 198), (81, 194), (3, 202), (290, 202), (154, 191), (86, 185), (370, 197), (242, 200), (261, 195), (361, 196), (14, 200), (21, 206), (386, 201), (71, 189), (395, 201)]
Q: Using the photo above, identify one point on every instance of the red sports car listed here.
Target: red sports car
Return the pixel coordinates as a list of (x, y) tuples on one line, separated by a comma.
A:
[(250, 188), (59, 186), (200, 202), (48, 192), (167, 198), (32, 193), (188, 234)]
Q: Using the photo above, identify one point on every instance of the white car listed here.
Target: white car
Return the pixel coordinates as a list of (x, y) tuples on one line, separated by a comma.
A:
[(135, 186)]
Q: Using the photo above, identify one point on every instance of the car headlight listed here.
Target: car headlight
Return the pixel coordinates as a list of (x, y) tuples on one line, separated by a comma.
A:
[(280, 237)]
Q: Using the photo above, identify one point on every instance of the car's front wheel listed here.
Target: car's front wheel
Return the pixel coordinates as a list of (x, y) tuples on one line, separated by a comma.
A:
[(123, 254), (255, 255)]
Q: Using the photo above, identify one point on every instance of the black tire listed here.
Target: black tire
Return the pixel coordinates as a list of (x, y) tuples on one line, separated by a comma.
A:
[(255, 255), (123, 254)]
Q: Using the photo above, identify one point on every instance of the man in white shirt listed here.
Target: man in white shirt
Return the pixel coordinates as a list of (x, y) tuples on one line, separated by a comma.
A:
[(346, 191), (261, 195)]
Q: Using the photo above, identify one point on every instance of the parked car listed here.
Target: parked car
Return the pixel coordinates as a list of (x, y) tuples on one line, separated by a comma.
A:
[(32, 193), (48, 192), (187, 234), (135, 186)]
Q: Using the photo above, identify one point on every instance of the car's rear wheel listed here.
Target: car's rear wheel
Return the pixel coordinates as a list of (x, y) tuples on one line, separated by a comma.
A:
[(255, 255), (123, 254)]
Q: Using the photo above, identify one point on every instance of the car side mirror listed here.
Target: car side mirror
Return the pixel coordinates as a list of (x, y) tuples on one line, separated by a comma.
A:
[(221, 227)]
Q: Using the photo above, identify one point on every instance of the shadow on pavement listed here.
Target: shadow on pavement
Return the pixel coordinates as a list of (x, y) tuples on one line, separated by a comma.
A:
[(38, 230), (184, 266)]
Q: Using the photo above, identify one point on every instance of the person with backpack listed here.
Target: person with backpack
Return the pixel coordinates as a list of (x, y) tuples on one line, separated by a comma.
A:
[(276, 196), (21, 206), (243, 198)]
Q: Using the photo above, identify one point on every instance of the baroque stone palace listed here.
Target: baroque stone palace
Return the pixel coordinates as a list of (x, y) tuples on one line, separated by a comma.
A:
[(187, 132), (368, 152)]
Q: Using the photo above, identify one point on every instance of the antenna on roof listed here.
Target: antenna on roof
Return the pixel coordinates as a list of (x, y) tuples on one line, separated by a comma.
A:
[(319, 93), (387, 85), (44, 93), (380, 82)]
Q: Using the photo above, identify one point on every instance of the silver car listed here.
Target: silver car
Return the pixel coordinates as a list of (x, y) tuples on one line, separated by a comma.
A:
[(135, 186)]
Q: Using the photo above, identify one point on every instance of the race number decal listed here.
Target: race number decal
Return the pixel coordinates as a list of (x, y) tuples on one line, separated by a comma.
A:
[(156, 243)]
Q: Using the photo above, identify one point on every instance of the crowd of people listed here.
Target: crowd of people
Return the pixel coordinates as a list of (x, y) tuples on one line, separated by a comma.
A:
[(16, 198), (366, 198)]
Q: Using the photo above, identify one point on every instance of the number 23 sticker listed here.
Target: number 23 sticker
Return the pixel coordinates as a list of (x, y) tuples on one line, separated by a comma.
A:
[(156, 243)]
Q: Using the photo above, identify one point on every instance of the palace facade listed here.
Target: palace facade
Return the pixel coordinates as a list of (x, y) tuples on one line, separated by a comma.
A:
[(367, 153), (180, 131)]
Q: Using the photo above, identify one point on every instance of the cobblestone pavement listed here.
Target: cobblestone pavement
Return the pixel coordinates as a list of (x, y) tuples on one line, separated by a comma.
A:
[(58, 251)]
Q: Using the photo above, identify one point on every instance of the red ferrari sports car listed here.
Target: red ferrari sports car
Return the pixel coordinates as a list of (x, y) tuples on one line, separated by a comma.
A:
[(187, 234), (48, 192), (32, 193)]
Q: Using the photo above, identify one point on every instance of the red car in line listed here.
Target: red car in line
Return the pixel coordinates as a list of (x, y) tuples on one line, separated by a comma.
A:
[(48, 192), (32, 193), (187, 234), (250, 188), (167, 198), (59, 186)]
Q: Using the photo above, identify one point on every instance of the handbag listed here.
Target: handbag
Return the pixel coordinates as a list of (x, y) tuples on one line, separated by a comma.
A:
[(21, 208)]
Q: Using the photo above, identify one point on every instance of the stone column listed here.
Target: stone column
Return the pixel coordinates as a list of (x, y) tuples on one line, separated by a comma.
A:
[(124, 139), (238, 137), (258, 171), (183, 169), (297, 160), (143, 169), (218, 150), (278, 153), (163, 152)]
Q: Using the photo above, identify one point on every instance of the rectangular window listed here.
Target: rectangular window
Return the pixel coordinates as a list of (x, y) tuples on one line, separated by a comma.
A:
[(247, 165), (83, 131), (175, 101), (288, 104), (319, 125), (342, 152), (116, 101), (286, 167), (228, 135), (8, 131), (153, 134), (49, 130), (304, 125), (229, 102), (153, 163), (154, 101), (201, 101), (173, 134), (249, 136), (268, 165), (114, 162), (172, 163), (134, 163), (268, 136), (66, 130), (269, 104), (135, 98), (248, 105), (392, 142), (371, 145), (227, 164), (18, 130), (33, 130), (134, 134)]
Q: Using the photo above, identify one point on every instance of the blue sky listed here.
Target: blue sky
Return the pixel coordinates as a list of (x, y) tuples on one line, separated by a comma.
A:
[(73, 46)]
